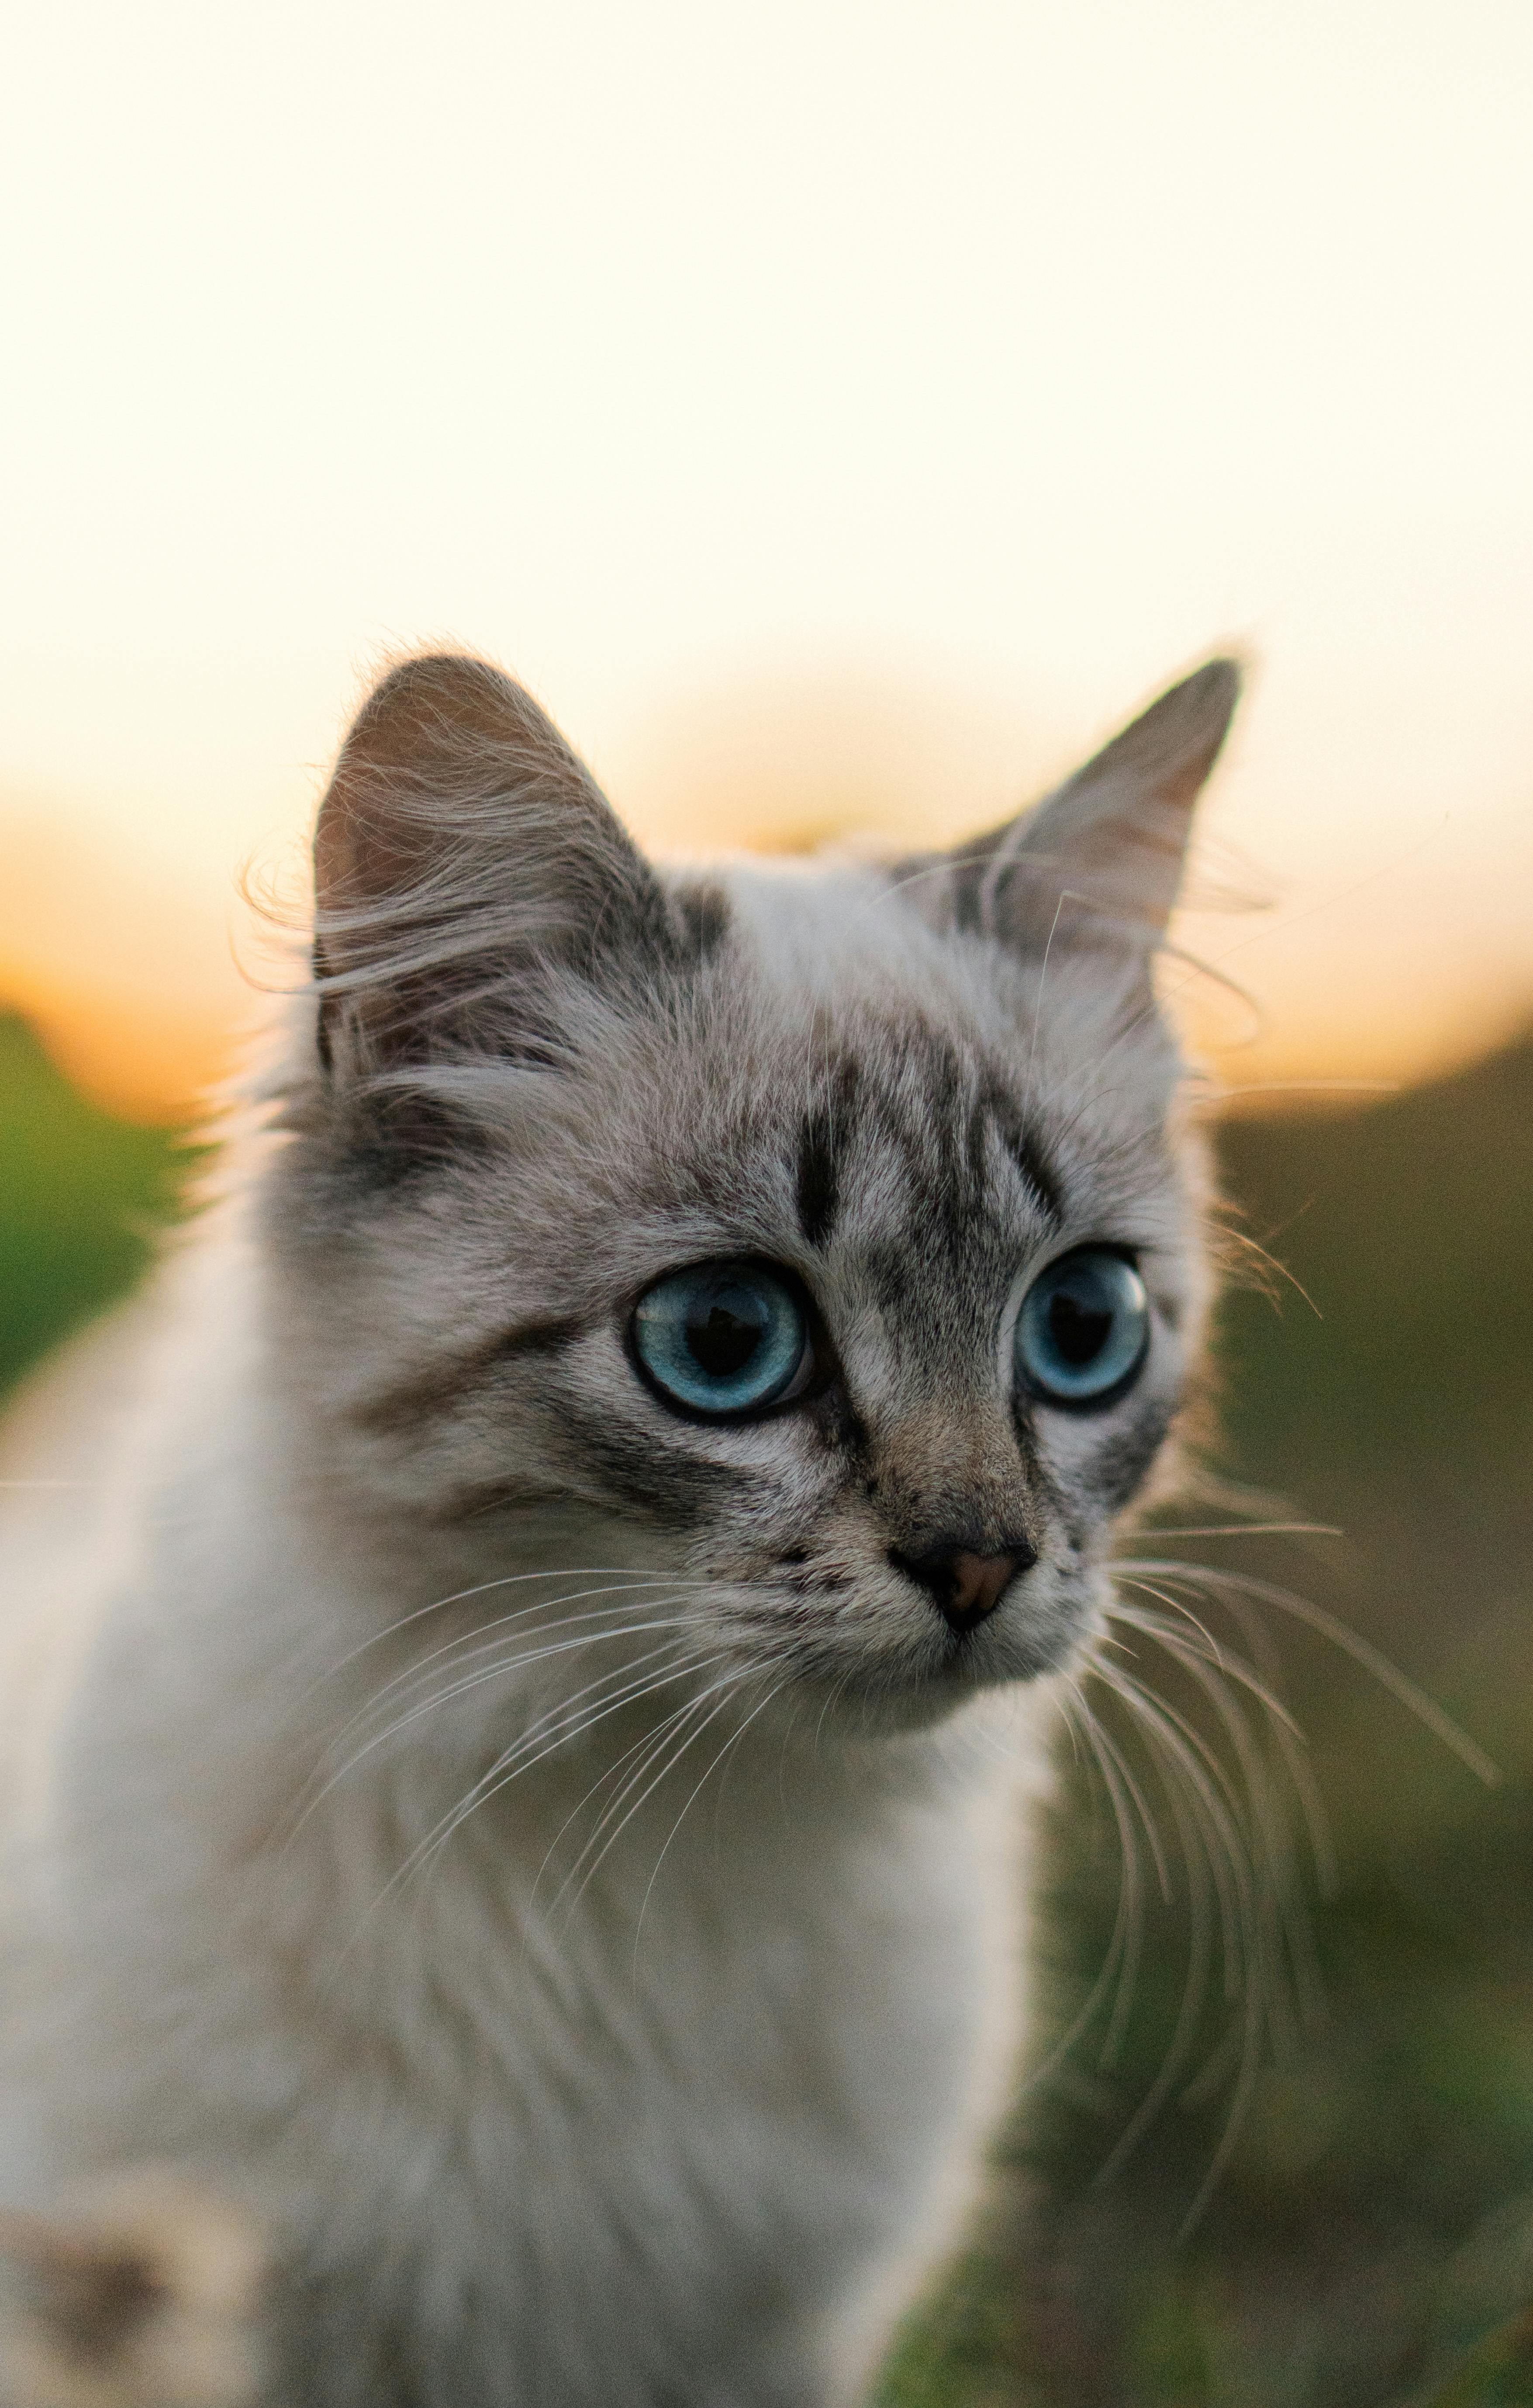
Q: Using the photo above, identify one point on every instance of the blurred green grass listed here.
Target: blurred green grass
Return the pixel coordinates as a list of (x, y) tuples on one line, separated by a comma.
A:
[(1370, 2242), (81, 1196)]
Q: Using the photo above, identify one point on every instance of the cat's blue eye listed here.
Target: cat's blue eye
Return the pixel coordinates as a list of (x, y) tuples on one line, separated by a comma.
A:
[(723, 1339), (1084, 1330)]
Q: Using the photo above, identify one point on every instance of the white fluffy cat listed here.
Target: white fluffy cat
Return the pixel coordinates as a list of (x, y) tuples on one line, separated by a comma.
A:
[(511, 1724)]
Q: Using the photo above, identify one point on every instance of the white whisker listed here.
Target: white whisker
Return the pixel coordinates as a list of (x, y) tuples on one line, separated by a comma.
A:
[(1209, 1835), (1261, 1787), (481, 1641), (502, 1669), (426, 1849), (1120, 1961), (1243, 1530), (1400, 1686), (563, 1728), (736, 1736), (668, 1759), (1231, 1791), (616, 1572)]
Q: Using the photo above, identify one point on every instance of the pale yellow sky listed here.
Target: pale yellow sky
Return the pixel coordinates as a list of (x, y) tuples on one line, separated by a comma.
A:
[(833, 411)]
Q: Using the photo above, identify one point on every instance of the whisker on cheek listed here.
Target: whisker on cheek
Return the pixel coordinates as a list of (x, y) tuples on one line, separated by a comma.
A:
[(480, 1638), (1233, 1794), (733, 1741), (555, 1732), (505, 1665), (665, 1749)]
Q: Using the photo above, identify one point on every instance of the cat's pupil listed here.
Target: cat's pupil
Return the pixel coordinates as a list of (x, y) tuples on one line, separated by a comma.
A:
[(1078, 1330), (723, 1336)]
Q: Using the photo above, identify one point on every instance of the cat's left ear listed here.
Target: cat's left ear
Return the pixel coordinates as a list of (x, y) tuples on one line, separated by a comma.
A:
[(465, 859), (1106, 850)]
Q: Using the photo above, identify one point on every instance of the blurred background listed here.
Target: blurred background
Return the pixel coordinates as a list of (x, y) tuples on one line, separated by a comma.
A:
[(842, 417)]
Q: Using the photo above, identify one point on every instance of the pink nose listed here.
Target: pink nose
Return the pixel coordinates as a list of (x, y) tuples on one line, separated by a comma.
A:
[(978, 1581), (965, 1586)]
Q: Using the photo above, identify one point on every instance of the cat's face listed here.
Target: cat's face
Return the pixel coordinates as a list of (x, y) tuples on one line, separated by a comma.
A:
[(819, 1235)]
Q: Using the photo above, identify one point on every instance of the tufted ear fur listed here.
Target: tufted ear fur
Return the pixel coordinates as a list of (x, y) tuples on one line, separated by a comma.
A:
[(1104, 852), (463, 859)]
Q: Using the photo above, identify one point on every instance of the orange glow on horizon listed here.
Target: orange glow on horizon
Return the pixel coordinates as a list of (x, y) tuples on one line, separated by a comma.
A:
[(152, 1057), (143, 977), (839, 421)]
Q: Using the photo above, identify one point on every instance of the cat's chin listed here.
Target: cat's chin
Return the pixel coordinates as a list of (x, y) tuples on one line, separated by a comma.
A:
[(885, 1709)]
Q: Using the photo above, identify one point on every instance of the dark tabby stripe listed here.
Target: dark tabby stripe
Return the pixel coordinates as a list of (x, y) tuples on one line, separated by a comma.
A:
[(996, 1104), (443, 1384), (671, 1490), (1121, 1463), (704, 912), (826, 1132)]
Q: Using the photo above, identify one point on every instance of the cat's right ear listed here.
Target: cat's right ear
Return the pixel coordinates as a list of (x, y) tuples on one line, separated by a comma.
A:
[(463, 858), (1107, 848)]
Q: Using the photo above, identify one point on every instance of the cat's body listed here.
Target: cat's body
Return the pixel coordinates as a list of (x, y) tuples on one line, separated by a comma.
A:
[(724, 2120), (659, 2077)]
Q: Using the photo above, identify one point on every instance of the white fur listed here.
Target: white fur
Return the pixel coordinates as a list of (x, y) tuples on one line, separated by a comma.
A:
[(806, 2037), (695, 2129)]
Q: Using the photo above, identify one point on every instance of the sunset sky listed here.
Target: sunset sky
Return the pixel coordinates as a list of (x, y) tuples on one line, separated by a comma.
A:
[(840, 414)]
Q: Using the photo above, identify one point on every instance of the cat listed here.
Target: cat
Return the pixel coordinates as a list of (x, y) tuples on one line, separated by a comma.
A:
[(515, 1742)]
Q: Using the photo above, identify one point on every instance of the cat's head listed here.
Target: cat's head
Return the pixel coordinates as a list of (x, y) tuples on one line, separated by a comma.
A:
[(822, 1236)]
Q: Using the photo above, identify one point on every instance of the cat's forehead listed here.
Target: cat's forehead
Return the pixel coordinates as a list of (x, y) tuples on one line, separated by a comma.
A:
[(844, 1075), (844, 1122)]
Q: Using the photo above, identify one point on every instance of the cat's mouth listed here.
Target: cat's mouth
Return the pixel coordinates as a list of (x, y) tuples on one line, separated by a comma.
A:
[(1020, 1639), (988, 1622)]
